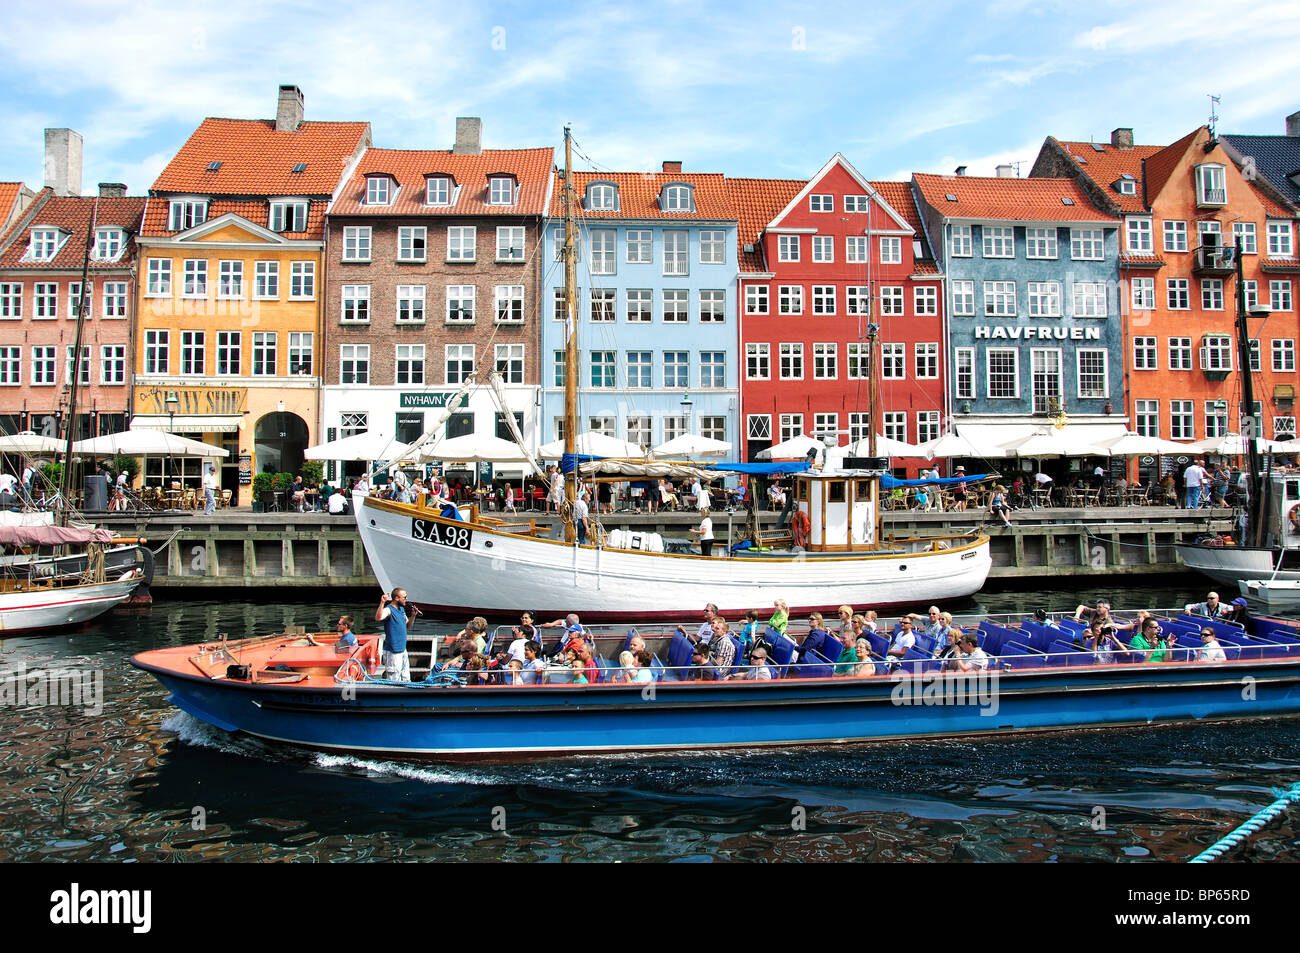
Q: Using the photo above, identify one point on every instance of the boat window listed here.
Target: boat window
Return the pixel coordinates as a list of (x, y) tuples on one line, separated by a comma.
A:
[(802, 490), (864, 490), (837, 491), (1293, 489)]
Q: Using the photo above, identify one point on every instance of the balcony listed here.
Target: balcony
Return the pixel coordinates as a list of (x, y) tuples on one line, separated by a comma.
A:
[(1215, 260), (1211, 198)]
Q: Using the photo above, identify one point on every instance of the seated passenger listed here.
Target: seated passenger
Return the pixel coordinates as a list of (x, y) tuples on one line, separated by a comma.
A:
[(514, 674), (757, 670), (870, 620), (749, 631), (1211, 608), (1210, 650), (1148, 641), (865, 666), (585, 653), (627, 666), (579, 672), (1240, 613), (904, 640), (477, 665), (948, 648), (346, 639), (969, 656), (643, 673), (474, 630), (1101, 640), (523, 635), (781, 617), (931, 625), (721, 648), (701, 670), (534, 664)]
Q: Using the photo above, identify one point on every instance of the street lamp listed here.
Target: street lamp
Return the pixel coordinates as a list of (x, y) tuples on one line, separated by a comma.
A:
[(687, 403), (171, 401)]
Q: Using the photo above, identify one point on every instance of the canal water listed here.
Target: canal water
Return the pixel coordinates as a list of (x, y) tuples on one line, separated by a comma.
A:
[(140, 781)]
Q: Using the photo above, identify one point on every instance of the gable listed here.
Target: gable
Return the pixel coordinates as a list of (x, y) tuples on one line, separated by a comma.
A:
[(233, 232), (838, 177)]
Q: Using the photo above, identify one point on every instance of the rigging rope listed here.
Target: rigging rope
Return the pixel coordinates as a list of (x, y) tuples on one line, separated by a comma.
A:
[(1284, 800)]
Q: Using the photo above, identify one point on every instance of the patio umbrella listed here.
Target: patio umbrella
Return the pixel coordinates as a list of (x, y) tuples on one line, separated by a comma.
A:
[(1135, 445), (1230, 445), (885, 447), (472, 447), (1054, 443), (140, 443), (28, 442), (363, 447), (792, 449), (592, 443), (953, 444), (692, 445)]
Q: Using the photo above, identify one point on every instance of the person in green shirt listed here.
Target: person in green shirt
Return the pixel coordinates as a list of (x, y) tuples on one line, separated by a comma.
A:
[(780, 617), (1147, 640)]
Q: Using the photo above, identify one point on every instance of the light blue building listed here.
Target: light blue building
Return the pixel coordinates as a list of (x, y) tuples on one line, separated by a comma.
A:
[(657, 334)]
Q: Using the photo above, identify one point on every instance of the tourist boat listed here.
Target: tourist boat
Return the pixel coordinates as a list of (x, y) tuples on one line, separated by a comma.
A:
[(461, 560), (298, 688)]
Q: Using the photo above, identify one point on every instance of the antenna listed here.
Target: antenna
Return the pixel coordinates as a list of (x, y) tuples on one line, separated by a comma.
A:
[(1214, 112)]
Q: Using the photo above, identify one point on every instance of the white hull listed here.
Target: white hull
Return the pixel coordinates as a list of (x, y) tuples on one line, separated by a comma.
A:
[(1273, 593), (1231, 564), (63, 605), (508, 573)]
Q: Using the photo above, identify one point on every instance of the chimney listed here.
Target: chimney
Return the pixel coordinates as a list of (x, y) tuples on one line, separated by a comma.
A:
[(469, 136), (112, 190), (63, 161), (1122, 138), (960, 170), (672, 168), (288, 110), (1006, 171), (1293, 124)]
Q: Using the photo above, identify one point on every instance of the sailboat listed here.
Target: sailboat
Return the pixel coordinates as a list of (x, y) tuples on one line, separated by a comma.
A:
[(457, 560)]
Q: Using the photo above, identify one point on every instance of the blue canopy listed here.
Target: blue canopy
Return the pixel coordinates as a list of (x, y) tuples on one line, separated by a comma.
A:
[(889, 482)]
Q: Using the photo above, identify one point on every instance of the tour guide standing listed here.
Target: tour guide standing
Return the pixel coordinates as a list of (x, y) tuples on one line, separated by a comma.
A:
[(397, 664), (705, 532), (210, 491)]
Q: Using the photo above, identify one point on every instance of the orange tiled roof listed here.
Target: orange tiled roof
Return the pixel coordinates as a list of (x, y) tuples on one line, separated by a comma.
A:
[(756, 202), (1008, 199), (530, 167), (257, 160), (1272, 208), (72, 215), (1142, 261), (1109, 164), (1161, 165), (8, 196), (899, 197), (257, 211), (925, 266), (638, 195)]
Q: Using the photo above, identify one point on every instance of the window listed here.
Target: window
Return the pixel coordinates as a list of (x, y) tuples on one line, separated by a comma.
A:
[(791, 362), (45, 244), (787, 248), (228, 348), (1283, 354), (109, 243), (891, 250), (893, 362), (1000, 298), (196, 278), (1090, 299), (1243, 236), (1279, 295), (1279, 240), (185, 213), (640, 247), (640, 309), (1254, 353), (963, 298), (411, 241), (964, 373), (1212, 294), (410, 304), (677, 370), (1177, 294), (676, 306), (1045, 370), (288, 217), (859, 426), (1216, 353), (713, 247), (160, 277), (409, 364), (1147, 417), (1205, 228), (758, 362), (896, 425), (266, 280), (11, 365), (826, 425), (791, 426), (602, 247), (640, 431), (459, 362), (1284, 428), (157, 352), (43, 365), (1003, 373), (1044, 299), (1181, 423), (676, 260), (927, 425), (823, 248), (1251, 288), (230, 279), (891, 300), (300, 353), (713, 369), (561, 304), (1094, 379), (858, 357), (377, 190), (602, 197), (855, 203), (1087, 244), (1040, 243), (1180, 354), (855, 249), (674, 427), (1175, 236), (999, 241), (356, 243), (1211, 185), (461, 243), (354, 363), (302, 280), (790, 299), (85, 365), (927, 361), (45, 297), (356, 304), (925, 301), (759, 427), (265, 354), (640, 369), (857, 299), (1138, 235), (460, 304), (1144, 354), (74, 300), (510, 304), (510, 243), (756, 299), (1143, 292), (960, 241), (602, 304), (677, 198), (713, 303), (437, 190), (510, 362), (558, 364), (501, 190), (821, 203), (825, 362), (823, 299), (1216, 418), (193, 346)]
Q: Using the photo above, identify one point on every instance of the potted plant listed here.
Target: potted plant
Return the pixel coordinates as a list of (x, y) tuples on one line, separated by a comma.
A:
[(261, 491), (313, 471)]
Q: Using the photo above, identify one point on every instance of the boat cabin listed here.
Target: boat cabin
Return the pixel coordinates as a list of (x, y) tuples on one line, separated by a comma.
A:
[(1282, 512), (838, 510)]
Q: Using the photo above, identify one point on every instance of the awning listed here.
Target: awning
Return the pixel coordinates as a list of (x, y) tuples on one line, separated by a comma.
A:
[(189, 423), (992, 439)]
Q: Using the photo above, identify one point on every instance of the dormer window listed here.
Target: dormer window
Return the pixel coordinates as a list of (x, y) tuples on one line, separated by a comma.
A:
[(439, 190), (1211, 185), (288, 216), (378, 190), (109, 243), (501, 190), (677, 198), (45, 244), (186, 213), (1125, 185), (602, 197)]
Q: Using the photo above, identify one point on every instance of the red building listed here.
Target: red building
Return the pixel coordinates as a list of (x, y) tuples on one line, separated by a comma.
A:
[(820, 261)]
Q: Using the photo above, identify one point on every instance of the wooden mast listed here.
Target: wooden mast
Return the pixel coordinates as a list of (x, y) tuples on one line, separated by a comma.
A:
[(66, 489), (571, 336)]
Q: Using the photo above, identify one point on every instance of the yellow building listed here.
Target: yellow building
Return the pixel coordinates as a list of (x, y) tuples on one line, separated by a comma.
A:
[(231, 286)]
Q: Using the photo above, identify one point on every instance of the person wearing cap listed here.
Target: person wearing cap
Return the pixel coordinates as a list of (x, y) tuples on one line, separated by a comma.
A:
[(959, 491), (705, 532), (1210, 650), (1240, 612), (1211, 608)]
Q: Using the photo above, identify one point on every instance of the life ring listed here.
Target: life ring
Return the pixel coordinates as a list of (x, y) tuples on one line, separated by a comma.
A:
[(1214, 542), (800, 527), (1293, 517)]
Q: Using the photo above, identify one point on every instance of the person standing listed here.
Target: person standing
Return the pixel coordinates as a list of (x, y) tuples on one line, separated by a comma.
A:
[(580, 512), (1193, 480), (705, 532), (396, 615), (210, 490)]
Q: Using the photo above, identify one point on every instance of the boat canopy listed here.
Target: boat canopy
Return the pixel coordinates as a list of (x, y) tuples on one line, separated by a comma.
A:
[(890, 482), (52, 535)]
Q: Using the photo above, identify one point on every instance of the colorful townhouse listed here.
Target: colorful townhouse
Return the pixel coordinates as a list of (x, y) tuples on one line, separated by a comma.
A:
[(656, 290), (821, 262), (1181, 206), (1034, 332), (434, 264), (231, 286), (42, 256)]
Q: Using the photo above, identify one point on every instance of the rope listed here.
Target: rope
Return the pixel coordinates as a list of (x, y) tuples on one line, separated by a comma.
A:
[(1252, 826)]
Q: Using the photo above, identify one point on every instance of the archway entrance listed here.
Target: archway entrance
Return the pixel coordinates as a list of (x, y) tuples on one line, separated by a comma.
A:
[(279, 442)]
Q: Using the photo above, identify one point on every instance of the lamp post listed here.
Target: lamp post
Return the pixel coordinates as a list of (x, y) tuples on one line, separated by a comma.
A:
[(171, 402), (687, 404)]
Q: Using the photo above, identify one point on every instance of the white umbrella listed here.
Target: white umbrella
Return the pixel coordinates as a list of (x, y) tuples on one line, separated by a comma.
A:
[(692, 445), (1134, 445), (472, 446), (1231, 445), (885, 447), (139, 443), (953, 444), (792, 449), (594, 444), (363, 447), (29, 442), (1054, 443)]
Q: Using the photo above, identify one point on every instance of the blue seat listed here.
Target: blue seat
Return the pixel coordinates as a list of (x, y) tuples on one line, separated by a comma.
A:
[(1017, 656), (1074, 626), (996, 636), (814, 665), (1035, 636), (660, 673), (680, 650), (1219, 627), (878, 643), (1067, 653), (1276, 630), (821, 642), (925, 643), (784, 649), (605, 669)]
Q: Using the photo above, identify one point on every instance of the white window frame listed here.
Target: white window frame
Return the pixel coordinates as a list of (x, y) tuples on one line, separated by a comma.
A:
[(998, 241), (354, 304), (460, 295), (1041, 243), (462, 243), (413, 243), (411, 300), (758, 361)]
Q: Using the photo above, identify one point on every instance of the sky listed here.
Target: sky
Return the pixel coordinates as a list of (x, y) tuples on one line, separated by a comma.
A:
[(749, 89)]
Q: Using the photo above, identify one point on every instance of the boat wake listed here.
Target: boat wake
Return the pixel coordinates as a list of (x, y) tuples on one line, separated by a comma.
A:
[(409, 772), (199, 734)]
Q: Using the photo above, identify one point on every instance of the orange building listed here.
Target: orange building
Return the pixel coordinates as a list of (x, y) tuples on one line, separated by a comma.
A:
[(231, 287)]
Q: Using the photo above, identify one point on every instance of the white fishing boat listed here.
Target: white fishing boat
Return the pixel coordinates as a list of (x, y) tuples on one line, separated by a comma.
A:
[(1272, 593)]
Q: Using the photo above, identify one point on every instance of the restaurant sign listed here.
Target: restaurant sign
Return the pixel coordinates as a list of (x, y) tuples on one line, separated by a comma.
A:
[(433, 399), (191, 400)]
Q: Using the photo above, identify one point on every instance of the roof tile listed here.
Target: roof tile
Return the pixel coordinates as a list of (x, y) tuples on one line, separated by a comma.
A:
[(257, 211), (1009, 199), (1104, 164), (410, 167), (72, 214), (757, 202), (638, 195)]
